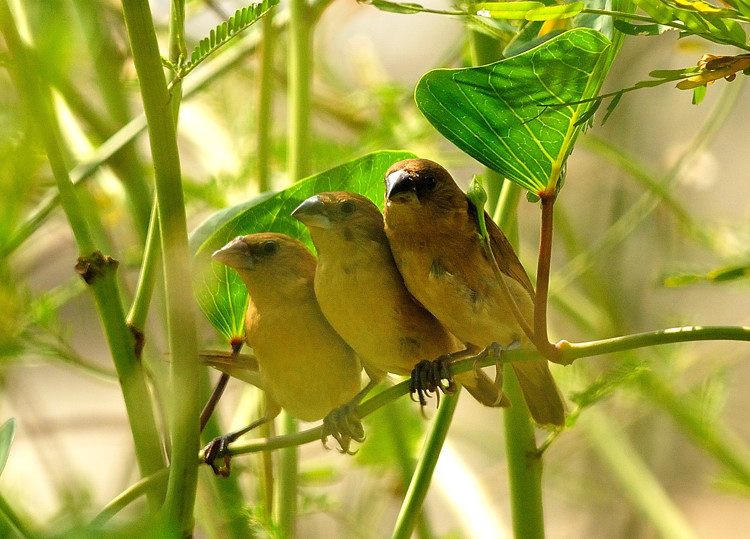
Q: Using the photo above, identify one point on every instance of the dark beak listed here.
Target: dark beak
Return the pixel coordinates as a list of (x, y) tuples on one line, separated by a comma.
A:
[(399, 183)]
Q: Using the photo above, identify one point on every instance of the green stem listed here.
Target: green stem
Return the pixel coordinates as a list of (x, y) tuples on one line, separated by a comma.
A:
[(13, 522), (420, 482), (185, 403), (300, 84), (265, 102), (524, 463), (639, 484), (286, 506), (504, 216), (569, 352), (98, 270), (177, 51), (147, 277)]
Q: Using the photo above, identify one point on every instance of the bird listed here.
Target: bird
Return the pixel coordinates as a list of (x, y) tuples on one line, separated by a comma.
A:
[(305, 367), (433, 233), (362, 294)]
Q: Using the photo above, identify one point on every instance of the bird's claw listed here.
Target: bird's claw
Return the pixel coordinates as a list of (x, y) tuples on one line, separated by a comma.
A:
[(430, 377), (343, 425), (218, 448)]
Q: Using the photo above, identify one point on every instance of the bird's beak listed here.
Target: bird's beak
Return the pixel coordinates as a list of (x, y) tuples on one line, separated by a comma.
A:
[(235, 254), (312, 212), (399, 184)]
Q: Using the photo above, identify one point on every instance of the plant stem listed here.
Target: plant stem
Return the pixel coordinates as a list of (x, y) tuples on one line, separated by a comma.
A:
[(185, 404), (286, 506), (98, 270), (541, 338), (420, 482), (147, 276), (265, 102), (524, 463), (569, 352), (300, 84)]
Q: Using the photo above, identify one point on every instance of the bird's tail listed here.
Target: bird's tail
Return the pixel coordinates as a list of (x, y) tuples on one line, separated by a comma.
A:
[(482, 388), (540, 392)]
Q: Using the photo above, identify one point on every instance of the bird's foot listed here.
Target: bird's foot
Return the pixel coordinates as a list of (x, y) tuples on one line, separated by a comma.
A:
[(216, 449), (344, 425), (432, 377)]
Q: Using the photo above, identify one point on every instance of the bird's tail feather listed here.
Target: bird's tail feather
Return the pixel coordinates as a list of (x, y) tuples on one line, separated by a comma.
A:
[(482, 388), (540, 392)]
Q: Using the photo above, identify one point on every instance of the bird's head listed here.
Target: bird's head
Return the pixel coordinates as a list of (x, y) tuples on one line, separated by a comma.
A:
[(266, 252), (341, 214), (421, 182)]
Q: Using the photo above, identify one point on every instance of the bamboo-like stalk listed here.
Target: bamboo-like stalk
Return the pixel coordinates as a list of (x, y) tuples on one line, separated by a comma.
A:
[(184, 402)]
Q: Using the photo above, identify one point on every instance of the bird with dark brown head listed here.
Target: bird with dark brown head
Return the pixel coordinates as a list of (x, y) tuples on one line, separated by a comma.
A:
[(305, 367), (363, 296), (433, 233)]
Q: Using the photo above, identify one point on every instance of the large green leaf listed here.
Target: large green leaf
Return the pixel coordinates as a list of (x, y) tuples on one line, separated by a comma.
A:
[(220, 293), (520, 116)]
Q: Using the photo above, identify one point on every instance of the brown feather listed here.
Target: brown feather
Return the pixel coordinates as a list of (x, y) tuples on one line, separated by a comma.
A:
[(433, 233), (363, 296)]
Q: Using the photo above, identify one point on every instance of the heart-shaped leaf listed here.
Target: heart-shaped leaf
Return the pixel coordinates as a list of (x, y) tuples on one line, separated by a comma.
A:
[(220, 293), (520, 116)]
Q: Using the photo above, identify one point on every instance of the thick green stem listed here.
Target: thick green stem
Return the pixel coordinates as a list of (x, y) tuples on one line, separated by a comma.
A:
[(98, 270), (185, 403), (420, 482), (524, 463)]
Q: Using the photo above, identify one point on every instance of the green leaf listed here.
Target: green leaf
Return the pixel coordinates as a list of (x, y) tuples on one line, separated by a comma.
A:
[(709, 25), (699, 92), (223, 33), (561, 11), (7, 431), (219, 291), (518, 116), (395, 7)]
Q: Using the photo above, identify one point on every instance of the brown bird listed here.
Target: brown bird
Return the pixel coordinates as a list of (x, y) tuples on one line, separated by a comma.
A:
[(304, 365), (363, 296), (433, 232)]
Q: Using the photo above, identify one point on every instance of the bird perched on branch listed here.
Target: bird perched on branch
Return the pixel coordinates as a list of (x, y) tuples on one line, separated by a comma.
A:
[(432, 229), (363, 296), (305, 367)]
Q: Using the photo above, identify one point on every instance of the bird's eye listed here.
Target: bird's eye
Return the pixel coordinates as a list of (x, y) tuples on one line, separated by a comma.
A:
[(269, 247), (347, 207), (430, 182)]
